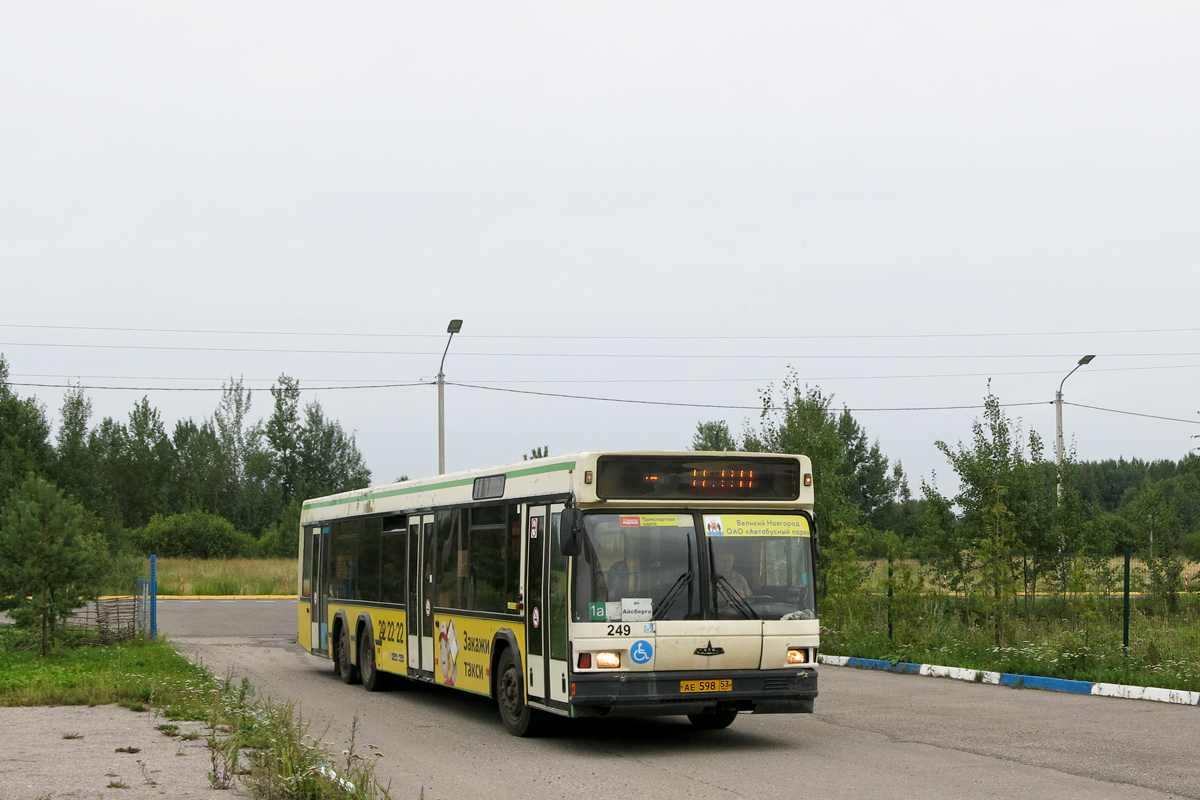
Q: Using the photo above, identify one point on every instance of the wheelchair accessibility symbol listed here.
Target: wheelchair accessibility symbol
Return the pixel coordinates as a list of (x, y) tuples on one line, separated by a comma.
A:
[(641, 652)]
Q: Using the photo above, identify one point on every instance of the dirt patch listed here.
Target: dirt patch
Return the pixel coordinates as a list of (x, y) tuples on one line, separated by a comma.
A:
[(37, 761)]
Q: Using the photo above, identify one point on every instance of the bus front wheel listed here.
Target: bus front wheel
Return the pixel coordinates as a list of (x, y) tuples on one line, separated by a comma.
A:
[(713, 721), (346, 668), (518, 718)]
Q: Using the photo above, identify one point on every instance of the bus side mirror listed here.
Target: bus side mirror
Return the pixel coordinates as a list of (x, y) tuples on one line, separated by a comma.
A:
[(816, 541), (570, 532)]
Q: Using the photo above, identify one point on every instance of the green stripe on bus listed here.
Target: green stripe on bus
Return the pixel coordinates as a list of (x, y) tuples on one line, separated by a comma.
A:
[(379, 495), (521, 473)]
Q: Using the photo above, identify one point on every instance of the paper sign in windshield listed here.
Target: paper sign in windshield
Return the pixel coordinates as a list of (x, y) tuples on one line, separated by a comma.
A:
[(655, 521), (637, 609), (755, 525)]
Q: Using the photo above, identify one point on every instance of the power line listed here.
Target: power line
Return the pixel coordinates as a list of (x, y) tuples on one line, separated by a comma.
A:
[(712, 405), (439, 336), (1134, 413), (581, 397), (743, 356), (210, 388), (386, 382)]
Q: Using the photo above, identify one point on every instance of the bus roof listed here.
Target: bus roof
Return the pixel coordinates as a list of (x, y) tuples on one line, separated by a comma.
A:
[(537, 477)]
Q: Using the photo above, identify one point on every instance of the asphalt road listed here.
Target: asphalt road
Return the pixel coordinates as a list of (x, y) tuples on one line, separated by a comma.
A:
[(873, 734)]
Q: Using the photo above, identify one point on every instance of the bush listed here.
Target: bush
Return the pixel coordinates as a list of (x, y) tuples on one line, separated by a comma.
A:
[(193, 534), (280, 540), (1190, 545)]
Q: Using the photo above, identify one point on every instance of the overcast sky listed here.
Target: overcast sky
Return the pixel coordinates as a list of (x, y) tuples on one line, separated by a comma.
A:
[(898, 200)]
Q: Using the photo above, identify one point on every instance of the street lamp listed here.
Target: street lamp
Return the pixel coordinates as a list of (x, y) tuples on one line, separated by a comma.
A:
[(454, 327), (1058, 403)]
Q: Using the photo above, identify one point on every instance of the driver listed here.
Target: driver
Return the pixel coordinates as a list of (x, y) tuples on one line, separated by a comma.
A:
[(736, 581)]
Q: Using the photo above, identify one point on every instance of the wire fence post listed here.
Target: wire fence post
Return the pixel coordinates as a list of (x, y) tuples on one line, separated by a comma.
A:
[(891, 592), (1125, 640), (154, 596)]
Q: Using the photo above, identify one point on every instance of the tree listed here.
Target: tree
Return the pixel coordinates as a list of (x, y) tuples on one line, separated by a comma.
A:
[(50, 561), (870, 484), (714, 436), (201, 478), (282, 433), (24, 437), (330, 460), (537, 452), (999, 469), (75, 468), (798, 419)]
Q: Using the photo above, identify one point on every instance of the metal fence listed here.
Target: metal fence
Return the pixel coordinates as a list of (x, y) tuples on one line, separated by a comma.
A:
[(1150, 636)]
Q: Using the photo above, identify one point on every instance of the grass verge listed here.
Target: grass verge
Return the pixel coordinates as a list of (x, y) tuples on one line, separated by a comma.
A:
[(264, 746), (1079, 640)]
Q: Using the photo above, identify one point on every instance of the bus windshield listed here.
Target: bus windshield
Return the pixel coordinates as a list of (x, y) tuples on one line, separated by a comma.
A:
[(761, 566), (638, 568)]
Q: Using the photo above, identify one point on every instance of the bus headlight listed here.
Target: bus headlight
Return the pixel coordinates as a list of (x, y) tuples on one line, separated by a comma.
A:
[(606, 659), (796, 655)]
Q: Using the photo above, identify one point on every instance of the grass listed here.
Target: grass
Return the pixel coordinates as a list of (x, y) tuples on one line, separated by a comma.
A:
[(264, 746), (1077, 638), (136, 674), (232, 576)]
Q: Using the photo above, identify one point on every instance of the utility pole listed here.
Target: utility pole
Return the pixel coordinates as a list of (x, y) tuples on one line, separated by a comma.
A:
[(454, 327)]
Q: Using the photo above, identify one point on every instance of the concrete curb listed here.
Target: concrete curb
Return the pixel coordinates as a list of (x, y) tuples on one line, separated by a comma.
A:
[(1024, 681), (162, 597)]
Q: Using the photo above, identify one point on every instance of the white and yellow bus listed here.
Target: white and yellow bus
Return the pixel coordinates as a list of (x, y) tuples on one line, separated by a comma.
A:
[(593, 584)]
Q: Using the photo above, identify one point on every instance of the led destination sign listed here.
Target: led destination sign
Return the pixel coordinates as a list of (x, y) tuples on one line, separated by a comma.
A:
[(637, 478)]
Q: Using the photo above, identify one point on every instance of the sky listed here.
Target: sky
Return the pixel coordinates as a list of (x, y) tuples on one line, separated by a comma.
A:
[(677, 203)]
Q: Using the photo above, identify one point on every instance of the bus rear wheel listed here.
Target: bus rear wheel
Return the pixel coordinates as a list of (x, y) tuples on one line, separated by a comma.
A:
[(519, 719), (346, 668), (372, 679), (713, 721)]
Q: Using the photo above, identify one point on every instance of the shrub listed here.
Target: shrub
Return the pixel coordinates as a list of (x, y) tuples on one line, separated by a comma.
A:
[(193, 534), (1190, 544)]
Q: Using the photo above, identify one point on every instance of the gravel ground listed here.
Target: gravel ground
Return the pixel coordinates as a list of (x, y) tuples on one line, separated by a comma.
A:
[(36, 761)]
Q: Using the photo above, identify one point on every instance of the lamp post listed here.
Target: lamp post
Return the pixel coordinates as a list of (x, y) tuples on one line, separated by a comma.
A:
[(1058, 401), (454, 327)]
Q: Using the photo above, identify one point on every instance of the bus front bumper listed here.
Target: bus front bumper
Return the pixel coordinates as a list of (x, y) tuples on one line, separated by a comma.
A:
[(645, 694)]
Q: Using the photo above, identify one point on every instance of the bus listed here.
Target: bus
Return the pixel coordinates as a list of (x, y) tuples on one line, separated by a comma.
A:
[(586, 585)]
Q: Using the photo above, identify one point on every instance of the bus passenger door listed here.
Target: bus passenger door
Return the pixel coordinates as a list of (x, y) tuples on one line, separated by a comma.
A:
[(556, 612), (320, 622), (420, 596), (535, 603), (546, 614)]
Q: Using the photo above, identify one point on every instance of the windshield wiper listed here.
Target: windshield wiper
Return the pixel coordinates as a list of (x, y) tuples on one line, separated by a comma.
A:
[(725, 588), (672, 594)]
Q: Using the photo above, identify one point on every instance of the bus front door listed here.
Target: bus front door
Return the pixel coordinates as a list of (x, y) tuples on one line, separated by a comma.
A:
[(320, 622), (546, 607), (420, 596)]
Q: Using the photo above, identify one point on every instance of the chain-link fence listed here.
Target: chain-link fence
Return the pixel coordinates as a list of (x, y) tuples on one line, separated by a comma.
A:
[(1150, 637)]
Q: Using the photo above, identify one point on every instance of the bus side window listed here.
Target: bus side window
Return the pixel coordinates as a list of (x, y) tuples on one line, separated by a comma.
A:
[(393, 561)]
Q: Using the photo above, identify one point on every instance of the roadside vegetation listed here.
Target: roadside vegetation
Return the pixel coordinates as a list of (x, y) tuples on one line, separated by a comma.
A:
[(259, 747), (1019, 570)]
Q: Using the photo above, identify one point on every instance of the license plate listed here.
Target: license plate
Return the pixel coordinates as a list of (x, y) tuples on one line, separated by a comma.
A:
[(706, 686)]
